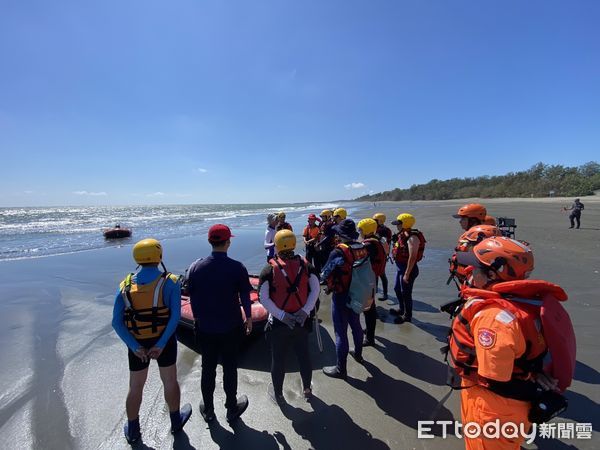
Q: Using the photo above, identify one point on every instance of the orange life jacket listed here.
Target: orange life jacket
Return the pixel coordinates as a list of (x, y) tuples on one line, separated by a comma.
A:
[(342, 275), (311, 232), (145, 315), (458, 270), (545, 324), (289, 289), (378, 261), (400, 251)]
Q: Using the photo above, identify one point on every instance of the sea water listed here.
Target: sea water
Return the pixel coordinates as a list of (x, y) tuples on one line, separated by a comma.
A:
[(44, 231)]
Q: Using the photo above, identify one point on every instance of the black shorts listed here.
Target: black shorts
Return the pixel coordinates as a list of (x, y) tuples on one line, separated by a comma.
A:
[(167, 358)]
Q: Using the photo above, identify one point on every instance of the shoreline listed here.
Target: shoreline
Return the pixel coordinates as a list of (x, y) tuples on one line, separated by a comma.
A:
[(57, 338)]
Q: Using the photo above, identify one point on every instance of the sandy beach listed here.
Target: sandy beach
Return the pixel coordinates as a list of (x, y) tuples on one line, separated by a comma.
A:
[(64, 372)]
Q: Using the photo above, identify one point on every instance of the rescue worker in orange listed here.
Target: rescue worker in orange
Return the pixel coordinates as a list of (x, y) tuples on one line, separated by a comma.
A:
[(145, 316), (466, 242), (386, 238), (408, 250), (289, 289), (470, 215), (497, 344), (378, 257), (310, 234)]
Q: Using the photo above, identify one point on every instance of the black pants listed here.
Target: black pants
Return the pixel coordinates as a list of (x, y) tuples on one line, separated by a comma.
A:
[(404, 290), (575, 217), (313, 258), (225, 346), (370, 321), (282, 338)]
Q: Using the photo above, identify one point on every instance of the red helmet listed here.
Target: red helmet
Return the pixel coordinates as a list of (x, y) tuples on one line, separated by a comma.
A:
[(474, 210), (510, 259), (480, 232)]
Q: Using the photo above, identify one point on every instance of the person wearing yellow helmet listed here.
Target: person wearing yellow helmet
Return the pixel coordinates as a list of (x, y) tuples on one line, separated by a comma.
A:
[(339, 214), (407, 252), (281, 223), (378, 258), (145, 316), (385, 235), (288, 289), (326, 238)]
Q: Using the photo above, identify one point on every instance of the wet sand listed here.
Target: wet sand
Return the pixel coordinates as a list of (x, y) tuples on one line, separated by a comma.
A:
[(64, 371)]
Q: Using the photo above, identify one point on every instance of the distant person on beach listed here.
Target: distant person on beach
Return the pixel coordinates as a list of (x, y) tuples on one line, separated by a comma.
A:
[(145, 316), (408, 250), (281, 223), (310, 234), (386, 234), (378, 258), (470, 215), (499, 340), (575, 215), (272, 221), (218, 285), (337, 274), (288, 289)]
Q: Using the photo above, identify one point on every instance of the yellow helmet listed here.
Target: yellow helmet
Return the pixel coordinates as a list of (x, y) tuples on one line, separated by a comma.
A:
[(405, 219), (380, 218), (367, 227), (326, 213), (340, 212), (285, 240), (147, 251)]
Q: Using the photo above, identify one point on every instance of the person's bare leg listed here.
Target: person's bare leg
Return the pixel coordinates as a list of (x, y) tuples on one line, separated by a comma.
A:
[(168, 375), (137, 380)]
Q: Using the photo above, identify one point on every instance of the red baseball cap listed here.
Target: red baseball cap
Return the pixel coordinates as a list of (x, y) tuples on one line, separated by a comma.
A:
[(312, 217), (219, 233)]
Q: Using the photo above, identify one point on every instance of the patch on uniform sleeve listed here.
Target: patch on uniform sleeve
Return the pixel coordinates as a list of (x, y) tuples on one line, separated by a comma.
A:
[(486, 337), (505, 317)]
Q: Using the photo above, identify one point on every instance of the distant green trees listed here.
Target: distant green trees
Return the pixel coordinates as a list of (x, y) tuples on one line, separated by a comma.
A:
[(538, 181)]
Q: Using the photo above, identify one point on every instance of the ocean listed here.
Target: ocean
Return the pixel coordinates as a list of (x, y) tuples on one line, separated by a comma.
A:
[(44, 231)]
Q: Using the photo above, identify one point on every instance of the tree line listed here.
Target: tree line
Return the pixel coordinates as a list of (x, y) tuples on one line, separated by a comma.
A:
[(541, 180)]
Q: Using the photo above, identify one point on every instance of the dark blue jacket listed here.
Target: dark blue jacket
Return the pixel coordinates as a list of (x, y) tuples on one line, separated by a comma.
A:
[(217, 285)]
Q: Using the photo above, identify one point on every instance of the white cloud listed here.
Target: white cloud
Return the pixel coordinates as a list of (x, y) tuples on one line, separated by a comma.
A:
[(156, 194), (94, 194), (27, 192), (355, 185), (201, 170)]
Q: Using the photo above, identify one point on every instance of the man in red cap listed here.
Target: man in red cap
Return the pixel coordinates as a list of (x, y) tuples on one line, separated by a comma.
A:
[(311, 237), (217, 284)]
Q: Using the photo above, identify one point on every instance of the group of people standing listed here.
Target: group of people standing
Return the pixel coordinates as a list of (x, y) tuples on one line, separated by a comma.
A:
[(504, 328), (496, 348)]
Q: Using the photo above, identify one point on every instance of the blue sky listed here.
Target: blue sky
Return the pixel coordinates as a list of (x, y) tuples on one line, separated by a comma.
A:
[(138, 102)]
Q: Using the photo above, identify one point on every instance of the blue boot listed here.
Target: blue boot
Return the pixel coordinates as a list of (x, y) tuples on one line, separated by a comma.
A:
[(180, 418), (132, 431)]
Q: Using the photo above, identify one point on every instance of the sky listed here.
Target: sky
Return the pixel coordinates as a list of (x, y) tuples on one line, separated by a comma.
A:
[(269, 101)]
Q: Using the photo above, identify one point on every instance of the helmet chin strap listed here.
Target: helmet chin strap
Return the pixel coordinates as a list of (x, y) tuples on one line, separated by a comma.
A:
[(163, 266)]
